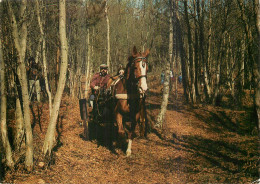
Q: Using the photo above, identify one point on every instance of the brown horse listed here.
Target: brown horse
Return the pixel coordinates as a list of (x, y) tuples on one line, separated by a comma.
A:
[(129, 94)]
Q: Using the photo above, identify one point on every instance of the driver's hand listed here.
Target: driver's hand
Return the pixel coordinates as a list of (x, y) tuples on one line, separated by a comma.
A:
[(96, 87)]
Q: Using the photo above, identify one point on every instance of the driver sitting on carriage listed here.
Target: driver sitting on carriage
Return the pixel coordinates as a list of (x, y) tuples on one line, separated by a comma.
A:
[(98, 87)]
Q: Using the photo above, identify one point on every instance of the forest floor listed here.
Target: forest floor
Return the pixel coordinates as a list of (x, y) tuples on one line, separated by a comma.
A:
[(203, 144)]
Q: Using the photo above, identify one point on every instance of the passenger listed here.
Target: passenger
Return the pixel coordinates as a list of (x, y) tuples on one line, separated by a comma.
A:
[(99, 82)]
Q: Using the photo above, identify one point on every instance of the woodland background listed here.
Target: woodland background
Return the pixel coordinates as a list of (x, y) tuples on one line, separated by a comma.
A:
[(214, 45)]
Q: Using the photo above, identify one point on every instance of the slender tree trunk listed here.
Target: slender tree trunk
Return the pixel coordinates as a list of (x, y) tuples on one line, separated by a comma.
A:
[(50, 135), (166, 90), (57, 68), (19, 125), (108, 36), (4, 132), (207, 88), (218, 72), (230, 68), (249, 37), (72, 75), (190, 53), (171, 59), (45, 71), (166, 84), (87, 64), (257, 65), (242, 66), (184, 68), (20, 45), (221, 51), (196, 52)]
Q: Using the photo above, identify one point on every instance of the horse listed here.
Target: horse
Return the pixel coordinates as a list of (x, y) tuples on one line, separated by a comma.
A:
[(129, 94)]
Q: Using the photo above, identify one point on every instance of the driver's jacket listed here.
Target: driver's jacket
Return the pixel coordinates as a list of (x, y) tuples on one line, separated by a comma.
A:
[(98, 80)]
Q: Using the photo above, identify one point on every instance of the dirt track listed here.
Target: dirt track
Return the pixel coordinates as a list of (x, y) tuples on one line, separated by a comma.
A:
[(203, 145)]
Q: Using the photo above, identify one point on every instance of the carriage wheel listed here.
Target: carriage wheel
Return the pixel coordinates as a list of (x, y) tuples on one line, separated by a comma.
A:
[(83, 108), (86, 129)]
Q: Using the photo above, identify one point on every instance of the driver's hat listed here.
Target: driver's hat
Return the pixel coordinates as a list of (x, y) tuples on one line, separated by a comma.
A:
[(103, 66)]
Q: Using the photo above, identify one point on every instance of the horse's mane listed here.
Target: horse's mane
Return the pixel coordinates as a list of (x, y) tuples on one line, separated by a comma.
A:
[(128, 67)]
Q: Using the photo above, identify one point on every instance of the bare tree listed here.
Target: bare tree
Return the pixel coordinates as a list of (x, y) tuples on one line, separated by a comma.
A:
[(43, 40), (190, 53), (257, 64), (4, 132), (88, 62), (166, 85), (20, 36), (207, 88), (19, 126), (50, 135), (108, 36)]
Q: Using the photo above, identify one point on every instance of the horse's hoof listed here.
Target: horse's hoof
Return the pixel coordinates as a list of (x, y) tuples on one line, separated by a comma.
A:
[(128, 153)]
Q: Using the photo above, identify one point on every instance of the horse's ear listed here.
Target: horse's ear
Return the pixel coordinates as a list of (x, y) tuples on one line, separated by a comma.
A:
[(146, 53), (134, 52)]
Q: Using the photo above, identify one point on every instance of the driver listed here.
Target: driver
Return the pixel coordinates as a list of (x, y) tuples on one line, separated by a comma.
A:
[(99, 81)]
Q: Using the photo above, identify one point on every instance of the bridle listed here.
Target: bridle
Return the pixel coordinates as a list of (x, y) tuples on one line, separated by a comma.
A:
[(137, 60), (137, 78)]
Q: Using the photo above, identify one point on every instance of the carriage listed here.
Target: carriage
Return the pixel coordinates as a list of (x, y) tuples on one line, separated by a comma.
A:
[(93, 117), (124, 101)]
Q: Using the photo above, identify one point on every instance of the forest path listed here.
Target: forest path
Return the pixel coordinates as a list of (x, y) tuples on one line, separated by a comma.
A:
[(202, 146)]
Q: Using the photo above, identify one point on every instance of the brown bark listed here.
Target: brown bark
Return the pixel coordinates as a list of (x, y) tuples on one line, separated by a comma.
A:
[(190, 53), (257, 65), (181, 51)]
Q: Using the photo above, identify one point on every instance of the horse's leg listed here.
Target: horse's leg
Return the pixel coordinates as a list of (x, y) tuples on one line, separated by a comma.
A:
[(119, 121), (142, 121), (129, 148), (131, 133)]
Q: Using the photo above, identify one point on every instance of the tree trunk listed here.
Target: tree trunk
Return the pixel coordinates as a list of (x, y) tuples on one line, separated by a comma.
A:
[(190, 53), (196, 52), (166, 90), (221, 51), (171, 85), (108, 36), (45, 71), (20, 45), (207, 88), (87, 64), (57, 69), (257, 66), (19, 125), (218, 71), (166, 84), (242, 65), (184, 70), (4, 132), (50, 135)]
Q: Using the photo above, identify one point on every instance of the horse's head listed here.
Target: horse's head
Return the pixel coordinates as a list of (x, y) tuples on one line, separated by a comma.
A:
[(137, 69)]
